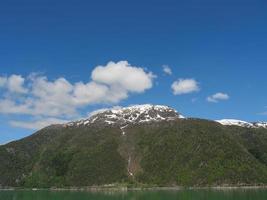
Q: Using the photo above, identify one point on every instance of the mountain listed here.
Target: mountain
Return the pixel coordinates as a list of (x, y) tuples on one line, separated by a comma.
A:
[(235, 122), (138, 145), (129, 115)]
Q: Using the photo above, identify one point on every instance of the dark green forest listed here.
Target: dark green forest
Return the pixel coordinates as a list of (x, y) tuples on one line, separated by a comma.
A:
[(182, 152)]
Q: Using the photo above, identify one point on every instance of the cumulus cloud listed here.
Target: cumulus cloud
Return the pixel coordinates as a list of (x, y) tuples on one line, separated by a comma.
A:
[(9, 106), (218, 97), (167, 70), (14, 83), (185, 86), (123, 76), (61, 99)]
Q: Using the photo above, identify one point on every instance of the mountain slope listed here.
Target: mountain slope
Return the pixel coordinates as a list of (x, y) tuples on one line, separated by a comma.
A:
[(140, 144)]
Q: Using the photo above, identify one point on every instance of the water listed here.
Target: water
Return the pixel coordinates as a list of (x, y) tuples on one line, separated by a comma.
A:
[(238, 194)]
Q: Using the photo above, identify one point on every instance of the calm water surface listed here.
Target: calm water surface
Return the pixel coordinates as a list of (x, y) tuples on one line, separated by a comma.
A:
[(253, 194)]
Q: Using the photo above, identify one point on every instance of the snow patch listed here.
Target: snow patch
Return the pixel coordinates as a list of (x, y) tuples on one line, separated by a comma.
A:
[(131, 114), (147, 113), (123, 127), (235, 122)]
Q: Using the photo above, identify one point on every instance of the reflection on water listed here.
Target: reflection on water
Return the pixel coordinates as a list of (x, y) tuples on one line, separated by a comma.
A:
[(237, 194)]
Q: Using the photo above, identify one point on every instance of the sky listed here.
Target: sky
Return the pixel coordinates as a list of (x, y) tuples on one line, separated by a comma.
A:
[(61, 60)]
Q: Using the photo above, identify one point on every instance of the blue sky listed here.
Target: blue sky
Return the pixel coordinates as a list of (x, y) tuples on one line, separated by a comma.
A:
[(212, 47)]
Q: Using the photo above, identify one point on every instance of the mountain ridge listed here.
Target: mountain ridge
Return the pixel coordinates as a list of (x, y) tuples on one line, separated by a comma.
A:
[(131, 114), (149, 144), (235, 122)]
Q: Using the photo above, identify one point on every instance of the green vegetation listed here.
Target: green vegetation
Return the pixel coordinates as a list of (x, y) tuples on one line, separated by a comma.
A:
[(189, 152)]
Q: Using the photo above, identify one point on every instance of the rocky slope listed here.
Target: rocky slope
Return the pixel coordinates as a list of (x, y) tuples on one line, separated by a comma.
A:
[(142, 144)]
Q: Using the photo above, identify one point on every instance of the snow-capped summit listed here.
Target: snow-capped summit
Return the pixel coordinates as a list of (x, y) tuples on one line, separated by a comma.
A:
[(235, 122), (260, 124), (123, 116), (132, 114)]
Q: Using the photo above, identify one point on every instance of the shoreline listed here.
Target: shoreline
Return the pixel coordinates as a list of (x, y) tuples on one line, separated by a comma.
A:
[(129, 189)]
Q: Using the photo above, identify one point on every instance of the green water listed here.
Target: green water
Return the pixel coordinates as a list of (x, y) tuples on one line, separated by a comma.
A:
[(257, 194)]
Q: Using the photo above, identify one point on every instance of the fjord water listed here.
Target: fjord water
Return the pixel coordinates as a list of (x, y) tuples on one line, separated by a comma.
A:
[(236, 194)]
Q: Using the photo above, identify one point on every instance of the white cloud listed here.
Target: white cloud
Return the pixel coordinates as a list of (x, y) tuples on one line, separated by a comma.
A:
[(218, 97), (39, 97), (185, 86), (38, 124), (123, 76), (9, 106), (84, 94), (15, 84), (167, 70)]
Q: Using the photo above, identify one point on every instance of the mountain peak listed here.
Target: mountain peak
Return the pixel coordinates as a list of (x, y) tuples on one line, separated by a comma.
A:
[(235, 122), (132, 114)]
